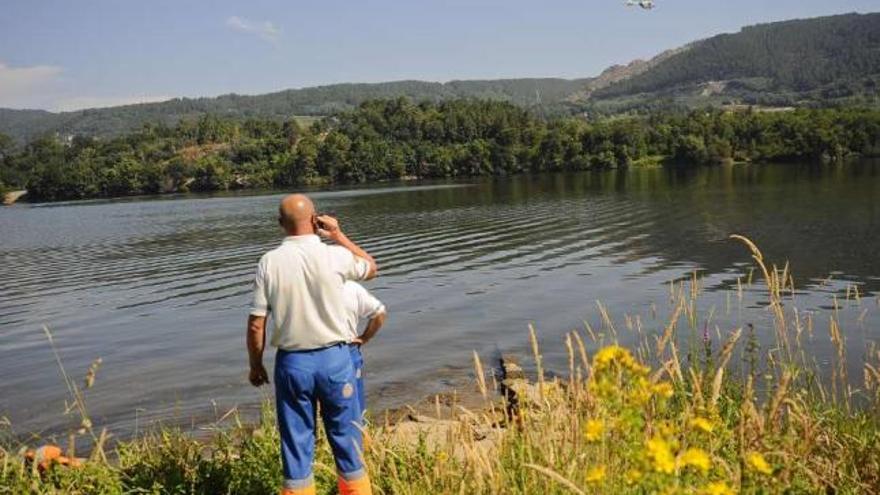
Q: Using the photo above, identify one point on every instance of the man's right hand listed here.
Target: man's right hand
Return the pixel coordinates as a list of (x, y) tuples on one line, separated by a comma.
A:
[(258, 376), (328, 227)]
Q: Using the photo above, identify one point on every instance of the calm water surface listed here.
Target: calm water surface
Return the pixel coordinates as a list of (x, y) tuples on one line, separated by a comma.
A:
[(158, 288)]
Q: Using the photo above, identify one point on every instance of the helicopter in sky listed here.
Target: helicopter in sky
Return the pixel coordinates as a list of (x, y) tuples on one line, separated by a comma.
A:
[(645, 4)]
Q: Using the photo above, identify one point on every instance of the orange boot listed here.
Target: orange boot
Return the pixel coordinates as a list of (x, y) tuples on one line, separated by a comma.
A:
[(308, 490), (360, 486)]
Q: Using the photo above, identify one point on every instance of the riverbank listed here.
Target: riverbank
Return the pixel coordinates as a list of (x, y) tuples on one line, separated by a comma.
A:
[(616, 427), (683, 411)]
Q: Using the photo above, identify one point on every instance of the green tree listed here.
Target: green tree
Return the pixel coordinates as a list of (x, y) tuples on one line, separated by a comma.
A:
[(303, 167)]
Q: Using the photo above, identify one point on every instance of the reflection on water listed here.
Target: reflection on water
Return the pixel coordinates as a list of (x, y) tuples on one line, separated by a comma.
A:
[(159, 288)]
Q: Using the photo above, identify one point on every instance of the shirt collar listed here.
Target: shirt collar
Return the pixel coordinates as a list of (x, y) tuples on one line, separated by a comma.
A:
[(300, 239)]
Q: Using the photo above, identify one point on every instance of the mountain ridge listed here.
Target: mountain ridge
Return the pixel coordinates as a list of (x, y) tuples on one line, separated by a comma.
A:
[(831, 59)]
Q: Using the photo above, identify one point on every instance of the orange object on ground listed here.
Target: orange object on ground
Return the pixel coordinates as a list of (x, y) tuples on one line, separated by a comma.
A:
[(47, 454), (360, 486)]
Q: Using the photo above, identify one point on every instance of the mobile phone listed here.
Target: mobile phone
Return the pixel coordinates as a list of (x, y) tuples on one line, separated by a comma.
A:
[(318, 223)]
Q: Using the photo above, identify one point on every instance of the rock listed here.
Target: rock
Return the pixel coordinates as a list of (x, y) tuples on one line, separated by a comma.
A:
[(434, 431), (13, 196), (516, 388), (521, 392), (510, 368), (460, 436)]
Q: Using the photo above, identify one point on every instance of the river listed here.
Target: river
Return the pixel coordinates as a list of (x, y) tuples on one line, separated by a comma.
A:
[(158, 287)]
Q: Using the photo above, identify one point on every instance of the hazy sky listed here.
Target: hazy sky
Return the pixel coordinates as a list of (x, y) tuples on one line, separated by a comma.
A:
[(62, 55)]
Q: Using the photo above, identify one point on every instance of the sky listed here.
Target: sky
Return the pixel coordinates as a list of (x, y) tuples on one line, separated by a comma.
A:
[(66, 55)]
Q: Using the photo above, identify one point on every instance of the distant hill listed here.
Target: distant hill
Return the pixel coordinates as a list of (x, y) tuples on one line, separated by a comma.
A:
[(813, 62), (320, 100)]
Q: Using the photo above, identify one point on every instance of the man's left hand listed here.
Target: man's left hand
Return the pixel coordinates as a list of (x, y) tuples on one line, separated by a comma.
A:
[(258, 376)]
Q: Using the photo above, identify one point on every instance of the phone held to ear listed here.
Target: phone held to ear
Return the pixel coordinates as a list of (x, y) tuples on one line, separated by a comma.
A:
[(319, 224)]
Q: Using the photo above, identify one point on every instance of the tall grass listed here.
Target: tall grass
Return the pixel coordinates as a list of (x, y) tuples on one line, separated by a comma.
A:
[(672, 414)]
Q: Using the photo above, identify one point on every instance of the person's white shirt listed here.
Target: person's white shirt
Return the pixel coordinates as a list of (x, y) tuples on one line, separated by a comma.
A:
[(301, 284), (359, 305)]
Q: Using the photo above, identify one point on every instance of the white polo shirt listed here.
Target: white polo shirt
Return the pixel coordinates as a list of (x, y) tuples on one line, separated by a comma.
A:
[(359, 304), (300, 283)]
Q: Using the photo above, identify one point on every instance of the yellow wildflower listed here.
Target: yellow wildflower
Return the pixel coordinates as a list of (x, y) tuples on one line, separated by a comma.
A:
[(611, 354), (641, 390), (596, 474), (442, 457), (594, 430), (703, 424), (718, 488), (632, 476), (757, 462), (665, 428), (663, 390), (641, 396), (640, 369), (661, 454), (697, 458)]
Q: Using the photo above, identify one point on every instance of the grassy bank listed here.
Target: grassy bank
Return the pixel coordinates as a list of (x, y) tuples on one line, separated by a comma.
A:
[(670, 415)]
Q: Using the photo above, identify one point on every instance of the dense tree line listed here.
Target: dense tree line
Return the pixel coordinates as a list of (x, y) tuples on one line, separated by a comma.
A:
[(392, 139)]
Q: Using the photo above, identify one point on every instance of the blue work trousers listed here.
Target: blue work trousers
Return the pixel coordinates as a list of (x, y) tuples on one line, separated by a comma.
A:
[(302, 380)]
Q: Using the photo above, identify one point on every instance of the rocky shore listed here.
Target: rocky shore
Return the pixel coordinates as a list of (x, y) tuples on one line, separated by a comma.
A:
[(466, 422)]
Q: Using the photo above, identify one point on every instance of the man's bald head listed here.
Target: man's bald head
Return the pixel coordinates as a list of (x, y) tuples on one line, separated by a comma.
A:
[(295, 213)]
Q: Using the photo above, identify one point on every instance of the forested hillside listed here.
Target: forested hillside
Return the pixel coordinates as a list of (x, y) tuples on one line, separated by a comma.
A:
[(397, 139), (826, 59), (24, 125)]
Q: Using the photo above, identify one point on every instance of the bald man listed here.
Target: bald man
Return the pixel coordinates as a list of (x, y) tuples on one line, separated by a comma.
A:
[(301, 284)]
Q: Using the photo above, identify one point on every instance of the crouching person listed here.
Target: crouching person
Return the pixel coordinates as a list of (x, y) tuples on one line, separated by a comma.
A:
[(301, 284), (360, 306)]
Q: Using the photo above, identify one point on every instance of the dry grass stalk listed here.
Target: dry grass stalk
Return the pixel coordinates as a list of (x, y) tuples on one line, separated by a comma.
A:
[(533, 339), (676, 364), (670, 328), (555, 477), (481, 376), (606, 319), (840, 346), (582, 351), (569, 349), (696, 383), (759, 259), (589, 330), (781, 390), (723, 359)]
